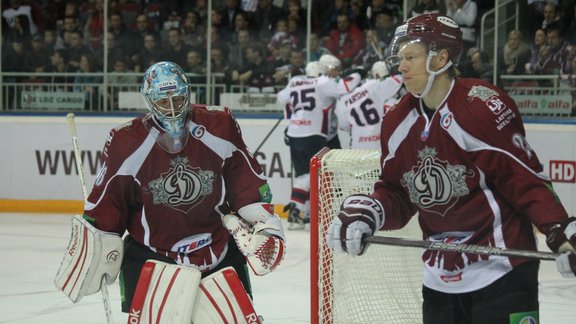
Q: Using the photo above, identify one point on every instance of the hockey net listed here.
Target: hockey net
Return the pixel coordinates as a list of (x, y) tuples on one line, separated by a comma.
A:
[(381, 286)]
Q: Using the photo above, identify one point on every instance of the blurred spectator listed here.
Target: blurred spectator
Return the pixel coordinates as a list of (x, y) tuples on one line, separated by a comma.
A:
[(120, 80), (195, 64), (59, 64), (24, 11), (280, 34), (37, 58), (258, 73), (385, 24), (19, 32), (372, 52), (13, 60), (94, 27), (316, 48), (265, 18), (295, 33), (514, 55), (143, 27), (249, 5), (193, 33), (551, 16), (50, 40), (295, 67), (482, 66), (229, 13), (69, 25), (345, 41), (357, 14), (76, 48), (465, 65), (282, 57), (295, 10), (200, 7), (556, 57), (176, 50), (338, 7), (464, 12), (539, 45), (425, 6), (173, 20), (149, 54), (237, 48), (88, 84), (377, 6), (241, 21), (125, 38), (220, 69)]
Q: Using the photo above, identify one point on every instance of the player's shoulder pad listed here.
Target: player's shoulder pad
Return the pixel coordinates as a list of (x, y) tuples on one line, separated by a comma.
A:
[(211, 108), (477, 94)]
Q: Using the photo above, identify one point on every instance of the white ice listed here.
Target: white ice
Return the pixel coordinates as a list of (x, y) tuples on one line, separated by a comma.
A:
[(32, 245)]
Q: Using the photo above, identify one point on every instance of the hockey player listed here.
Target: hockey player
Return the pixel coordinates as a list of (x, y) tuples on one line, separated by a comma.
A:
[(360, 112), (312, 124), (455, 152), (170, 181)]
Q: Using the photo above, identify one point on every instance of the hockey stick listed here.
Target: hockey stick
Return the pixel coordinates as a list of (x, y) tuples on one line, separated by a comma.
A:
[(463, 248), (79, 165), (269, 133)]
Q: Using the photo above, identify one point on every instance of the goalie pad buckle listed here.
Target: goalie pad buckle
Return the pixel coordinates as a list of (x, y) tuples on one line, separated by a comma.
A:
[(91, 255)]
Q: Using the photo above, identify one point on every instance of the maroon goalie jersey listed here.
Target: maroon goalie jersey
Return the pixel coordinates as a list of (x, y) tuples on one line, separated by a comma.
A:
[(471, 176), (173, 202)]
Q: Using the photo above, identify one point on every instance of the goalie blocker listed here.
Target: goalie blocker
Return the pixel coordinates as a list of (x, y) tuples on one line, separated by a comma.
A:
[(91, 255)]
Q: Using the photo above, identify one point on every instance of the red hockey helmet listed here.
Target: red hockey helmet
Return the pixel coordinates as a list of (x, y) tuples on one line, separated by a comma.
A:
[(434, 30)]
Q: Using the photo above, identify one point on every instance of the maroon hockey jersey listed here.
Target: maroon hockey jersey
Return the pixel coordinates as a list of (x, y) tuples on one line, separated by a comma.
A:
[(173, 202), (471, 176)]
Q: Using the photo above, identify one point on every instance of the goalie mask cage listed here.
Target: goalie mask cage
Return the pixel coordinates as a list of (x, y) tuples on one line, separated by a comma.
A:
[(381, 286)]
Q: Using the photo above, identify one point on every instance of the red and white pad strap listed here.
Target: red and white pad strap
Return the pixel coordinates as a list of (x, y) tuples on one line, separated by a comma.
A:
[(165, 293), (223, 299), (91, 255)]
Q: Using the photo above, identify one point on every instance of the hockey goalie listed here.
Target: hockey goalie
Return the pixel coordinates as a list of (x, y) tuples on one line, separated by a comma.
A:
[(178, 210)]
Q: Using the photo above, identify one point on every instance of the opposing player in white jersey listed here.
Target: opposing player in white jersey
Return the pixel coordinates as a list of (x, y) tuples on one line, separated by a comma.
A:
[(360, 112), (312, 124), (192, 204)]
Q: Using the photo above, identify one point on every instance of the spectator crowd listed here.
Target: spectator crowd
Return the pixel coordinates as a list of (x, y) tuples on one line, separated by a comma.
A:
[(261, 43)]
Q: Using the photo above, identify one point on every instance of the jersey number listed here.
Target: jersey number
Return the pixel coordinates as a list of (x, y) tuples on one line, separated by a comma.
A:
[(303, 99), (369, 112)]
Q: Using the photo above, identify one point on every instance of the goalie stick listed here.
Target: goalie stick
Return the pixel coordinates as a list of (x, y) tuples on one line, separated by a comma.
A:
[(80, 167), (463, 248)]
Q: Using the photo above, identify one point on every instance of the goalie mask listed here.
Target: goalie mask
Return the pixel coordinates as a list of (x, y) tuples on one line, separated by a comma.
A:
[(167, 95), (433, 31)]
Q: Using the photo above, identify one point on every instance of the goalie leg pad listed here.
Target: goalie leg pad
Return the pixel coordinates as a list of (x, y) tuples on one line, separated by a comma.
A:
[(91, 255), (223, 299), (165, 293)]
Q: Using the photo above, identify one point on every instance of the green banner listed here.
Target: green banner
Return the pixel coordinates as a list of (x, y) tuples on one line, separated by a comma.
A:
[(524, 318)]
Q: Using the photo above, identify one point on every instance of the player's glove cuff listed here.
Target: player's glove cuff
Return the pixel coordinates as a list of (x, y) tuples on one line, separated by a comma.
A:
[(562, 237)]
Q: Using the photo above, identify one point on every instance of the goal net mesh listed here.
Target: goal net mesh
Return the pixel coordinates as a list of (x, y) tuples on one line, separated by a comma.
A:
[(381, 286)]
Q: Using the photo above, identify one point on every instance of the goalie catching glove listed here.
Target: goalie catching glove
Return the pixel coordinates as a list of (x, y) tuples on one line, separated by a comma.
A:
[(561, 238), (360, 216), (259, 236)]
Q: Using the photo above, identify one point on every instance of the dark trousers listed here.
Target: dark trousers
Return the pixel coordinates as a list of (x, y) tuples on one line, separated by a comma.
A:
[(135, 255), (302, 149), (516, 292)]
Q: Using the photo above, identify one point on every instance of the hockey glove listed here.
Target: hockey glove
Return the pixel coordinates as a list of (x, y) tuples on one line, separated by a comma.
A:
[(262, 243), (360, 216), (561, 238)]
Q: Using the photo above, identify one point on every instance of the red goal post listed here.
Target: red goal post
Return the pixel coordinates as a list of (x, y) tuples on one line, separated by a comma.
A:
[(381, 286)]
